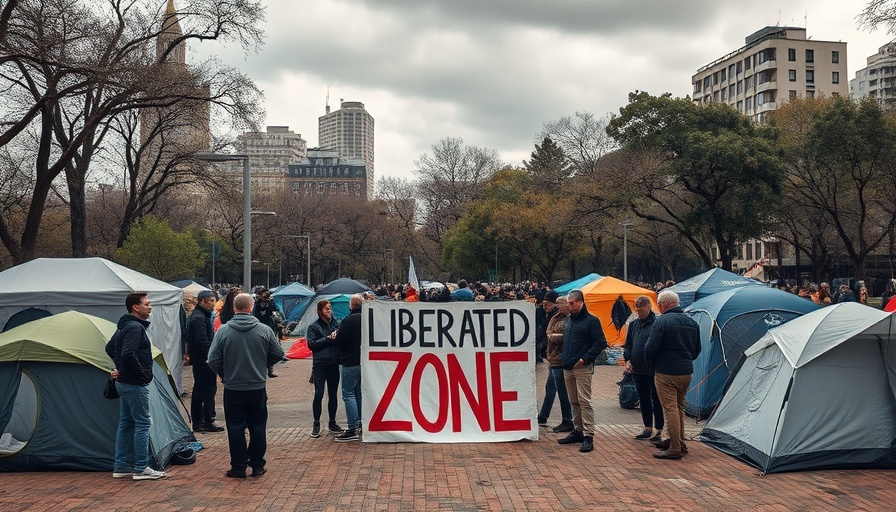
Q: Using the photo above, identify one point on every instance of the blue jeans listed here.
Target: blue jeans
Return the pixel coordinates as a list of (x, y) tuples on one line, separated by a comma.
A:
[(132, 439), (351, 395), (556, 385)]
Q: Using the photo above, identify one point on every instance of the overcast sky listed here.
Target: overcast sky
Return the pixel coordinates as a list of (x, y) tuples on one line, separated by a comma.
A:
[(492, 72)]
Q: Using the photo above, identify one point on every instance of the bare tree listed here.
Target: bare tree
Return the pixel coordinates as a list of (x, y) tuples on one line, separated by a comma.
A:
[(878, 12)]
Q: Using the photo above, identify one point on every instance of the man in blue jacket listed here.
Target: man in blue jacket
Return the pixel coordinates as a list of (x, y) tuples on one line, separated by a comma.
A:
[(672, 346), (583, 341)]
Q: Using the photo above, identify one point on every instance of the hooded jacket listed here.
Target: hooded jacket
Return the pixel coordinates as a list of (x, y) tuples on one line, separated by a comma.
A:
[(242, 351), (583, 338), (322, 348), (131, 351)]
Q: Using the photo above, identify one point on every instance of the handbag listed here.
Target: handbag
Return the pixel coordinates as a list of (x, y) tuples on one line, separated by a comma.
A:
[(628, 392), (110, 391)]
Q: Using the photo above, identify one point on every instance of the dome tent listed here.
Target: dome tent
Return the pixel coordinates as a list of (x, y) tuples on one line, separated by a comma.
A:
[(600, 296), (98, 287), (730, 322), (814, 393), (708, 283), (52, 412), (292, 300)]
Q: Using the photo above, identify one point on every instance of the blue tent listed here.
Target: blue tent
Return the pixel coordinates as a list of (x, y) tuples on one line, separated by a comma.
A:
[(730, 322), (708, 283), (577, 284), (292, 300), (343, 285), (340, 303)]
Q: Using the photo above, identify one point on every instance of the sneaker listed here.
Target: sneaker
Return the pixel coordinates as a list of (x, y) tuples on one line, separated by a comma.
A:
[(542, 421), (235, 473), (348, 435), (587, 444), (117, 474), (149, 474), (657, 438), (564, 426), (574, 437), (315, 430), (334, 427), (257, 472)]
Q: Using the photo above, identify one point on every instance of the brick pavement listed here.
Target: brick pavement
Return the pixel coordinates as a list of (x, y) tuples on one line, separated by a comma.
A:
[(319, 474)]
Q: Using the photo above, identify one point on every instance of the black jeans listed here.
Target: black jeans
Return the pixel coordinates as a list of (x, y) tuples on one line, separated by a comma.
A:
[(326, 374), (202, 400), (651, 410), (246, 410)]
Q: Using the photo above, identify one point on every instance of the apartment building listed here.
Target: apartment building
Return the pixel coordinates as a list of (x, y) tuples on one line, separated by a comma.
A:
[(323, 171), (878, 78), (775, 64), (270, 153), (349, 131)]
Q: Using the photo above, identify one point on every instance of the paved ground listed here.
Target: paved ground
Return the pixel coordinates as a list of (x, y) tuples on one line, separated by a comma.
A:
[(319, 474)]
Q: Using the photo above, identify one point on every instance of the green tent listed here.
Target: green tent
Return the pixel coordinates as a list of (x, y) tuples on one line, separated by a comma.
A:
[(52, 412)]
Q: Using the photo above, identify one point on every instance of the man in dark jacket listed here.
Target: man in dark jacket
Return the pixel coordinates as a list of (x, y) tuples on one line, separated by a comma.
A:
[(348, 341), (583, 341), (205, 386), (543, 317), (131, 351), (672, 346), (241, 353), (636, 364)]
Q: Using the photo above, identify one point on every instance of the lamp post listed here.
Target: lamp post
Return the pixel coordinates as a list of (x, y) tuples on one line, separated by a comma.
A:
[(267, 268), (247, 209), (625, 225), (308, 240)]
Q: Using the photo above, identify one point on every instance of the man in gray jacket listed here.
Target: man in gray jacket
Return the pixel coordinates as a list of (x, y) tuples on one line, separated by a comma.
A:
[(241, 353)]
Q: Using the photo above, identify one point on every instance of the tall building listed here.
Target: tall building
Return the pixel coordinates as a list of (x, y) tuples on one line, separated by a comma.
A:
[(878, 79), (323, 171), (775, 65), (172, 131), (270, 153), (349, 131)]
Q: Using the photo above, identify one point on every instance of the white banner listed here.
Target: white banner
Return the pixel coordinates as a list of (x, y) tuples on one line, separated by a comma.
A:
[(457, 372)]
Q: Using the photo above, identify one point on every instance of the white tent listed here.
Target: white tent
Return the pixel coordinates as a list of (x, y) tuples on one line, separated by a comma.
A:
[(97, 287), (818, 392)]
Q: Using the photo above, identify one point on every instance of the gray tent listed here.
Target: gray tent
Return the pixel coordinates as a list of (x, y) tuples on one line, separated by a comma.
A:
[(53, 416), (818, 392), (97, 287)]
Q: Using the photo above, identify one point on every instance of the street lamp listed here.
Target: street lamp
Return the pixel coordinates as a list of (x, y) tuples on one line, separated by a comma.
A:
[(267, 275), (625, 225), (308, 240), (247, 209)]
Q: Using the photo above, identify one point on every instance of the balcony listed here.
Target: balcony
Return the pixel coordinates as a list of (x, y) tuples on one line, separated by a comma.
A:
[(770, 85)]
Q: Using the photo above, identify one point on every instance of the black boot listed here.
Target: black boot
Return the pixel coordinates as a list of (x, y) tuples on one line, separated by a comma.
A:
[(315, 431), (587, 444), (574, 437)]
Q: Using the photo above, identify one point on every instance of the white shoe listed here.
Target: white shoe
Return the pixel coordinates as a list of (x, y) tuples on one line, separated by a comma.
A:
[(149, 474), (121, 475)]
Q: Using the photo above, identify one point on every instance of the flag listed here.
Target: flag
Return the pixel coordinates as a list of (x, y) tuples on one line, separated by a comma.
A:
[(412, 274)]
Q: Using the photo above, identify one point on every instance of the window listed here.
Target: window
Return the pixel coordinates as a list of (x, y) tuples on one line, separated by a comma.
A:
[(792, 95), (749, 252), (835, 57), (810, 76), (835, 77), (810, 55), (747, 63), (792, 74), (723, 94), (697, 86), (740, 86), (731, 92), (739, 70), (810, 94), (731, 71), (740, 106), (715, 78), (758, 250), (791, 54)]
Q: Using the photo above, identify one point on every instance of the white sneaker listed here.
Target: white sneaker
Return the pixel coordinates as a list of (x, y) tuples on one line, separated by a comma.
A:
[(121, 475), (149, 474)]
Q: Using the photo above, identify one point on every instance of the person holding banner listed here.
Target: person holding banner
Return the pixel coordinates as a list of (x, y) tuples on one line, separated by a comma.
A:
[(348, 341), (583, 341), (555, 384), (325, 365)]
